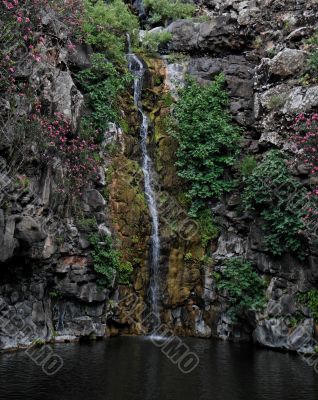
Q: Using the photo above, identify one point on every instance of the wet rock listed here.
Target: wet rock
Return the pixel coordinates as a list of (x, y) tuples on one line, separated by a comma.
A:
[(274, 333), (7, 240)]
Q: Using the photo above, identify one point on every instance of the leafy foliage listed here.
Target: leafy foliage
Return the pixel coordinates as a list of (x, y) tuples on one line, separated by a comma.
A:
[(243, 286), (103, 84), (310, 300), (281, 200), (154, 40), (247, 166), (107, 263), (208, 142), (208, 231), (163, 11), (106, 25)]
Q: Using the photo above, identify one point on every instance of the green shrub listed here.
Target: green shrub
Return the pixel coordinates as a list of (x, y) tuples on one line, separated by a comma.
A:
[(277, 101), (106, 25), (188, 256), (103, 84), (280, 198), (38, 342), (244, 287), (310, 300), (154, 40), (107, 263), (208, 142), (247, 166), (164, 11), (313, 40), (208, 231), (313, 55), (313, 61)]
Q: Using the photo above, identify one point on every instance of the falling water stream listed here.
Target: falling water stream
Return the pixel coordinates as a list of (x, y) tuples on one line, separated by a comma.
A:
[(138, 71)]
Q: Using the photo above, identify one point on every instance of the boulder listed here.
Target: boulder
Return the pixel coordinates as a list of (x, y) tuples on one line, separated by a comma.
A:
[(28, 231), (95, 200), (287, 63)]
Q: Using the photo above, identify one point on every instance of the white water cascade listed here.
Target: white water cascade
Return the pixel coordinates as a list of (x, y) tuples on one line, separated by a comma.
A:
[(138, 71)]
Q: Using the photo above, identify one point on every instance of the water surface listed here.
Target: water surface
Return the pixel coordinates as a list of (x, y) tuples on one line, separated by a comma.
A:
[(134, 369)]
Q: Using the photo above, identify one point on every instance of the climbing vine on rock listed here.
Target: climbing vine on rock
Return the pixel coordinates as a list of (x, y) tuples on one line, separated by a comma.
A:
[(107, 262), (242, 285), (103, 83), (208, 141), (281, 200), (310, 299)]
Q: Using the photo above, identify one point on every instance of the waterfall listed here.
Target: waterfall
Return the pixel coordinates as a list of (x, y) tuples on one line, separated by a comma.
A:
[(139, 6), (138, 71)]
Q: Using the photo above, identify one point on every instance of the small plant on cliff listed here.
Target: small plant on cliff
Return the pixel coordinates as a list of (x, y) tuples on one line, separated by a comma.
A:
[(310, 300), (242, 285), (38, 342), (281, 201), (247, 166), (207, 229), (208, 142), (164, 11), (154, 41), (107, 262)]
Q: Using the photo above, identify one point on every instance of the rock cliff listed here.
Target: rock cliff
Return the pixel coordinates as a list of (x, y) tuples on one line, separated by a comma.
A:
[(49, 288)]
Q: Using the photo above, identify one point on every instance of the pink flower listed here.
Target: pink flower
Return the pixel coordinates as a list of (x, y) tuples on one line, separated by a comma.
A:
[(19, 19)]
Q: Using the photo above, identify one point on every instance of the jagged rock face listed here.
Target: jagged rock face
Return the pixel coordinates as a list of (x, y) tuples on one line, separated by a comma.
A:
[(255, 80), (48, 287), (215, 36), (45, 259)]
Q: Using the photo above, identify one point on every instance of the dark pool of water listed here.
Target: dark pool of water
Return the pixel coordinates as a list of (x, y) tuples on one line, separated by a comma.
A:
[(135, 369)]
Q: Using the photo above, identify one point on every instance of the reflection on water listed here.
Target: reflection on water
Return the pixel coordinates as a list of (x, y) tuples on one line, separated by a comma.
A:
[(134, 369)]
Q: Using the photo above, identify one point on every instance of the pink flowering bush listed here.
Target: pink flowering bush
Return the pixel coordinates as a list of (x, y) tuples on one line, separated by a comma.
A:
[(306, 140), (21, 33), (78, 157), (305, 137)]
